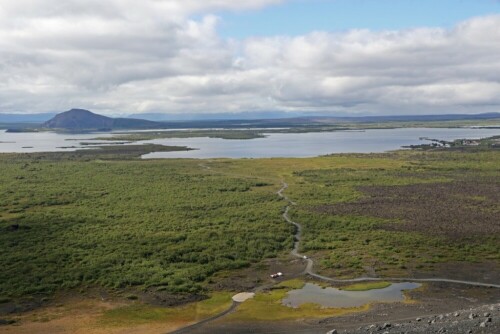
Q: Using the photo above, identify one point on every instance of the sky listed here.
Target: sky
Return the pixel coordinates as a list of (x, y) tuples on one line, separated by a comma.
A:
[(303, 16), (356, 57)]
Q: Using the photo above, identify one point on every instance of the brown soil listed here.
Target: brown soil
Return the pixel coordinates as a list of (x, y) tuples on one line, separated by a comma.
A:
[(458, 209), (150, 297), (73, 312), (258, 275), (79, 315)]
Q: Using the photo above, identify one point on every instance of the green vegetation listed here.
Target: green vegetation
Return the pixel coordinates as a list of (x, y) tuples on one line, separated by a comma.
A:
[(4, 300), (223, 134), (110, 220), (366, 286), (394, 219), (461, 144), (105, 152), (291, 284), (138, 314), (23, 130), (167, 224)]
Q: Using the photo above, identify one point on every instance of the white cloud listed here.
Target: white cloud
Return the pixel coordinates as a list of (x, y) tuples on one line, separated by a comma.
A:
[(141, 56)]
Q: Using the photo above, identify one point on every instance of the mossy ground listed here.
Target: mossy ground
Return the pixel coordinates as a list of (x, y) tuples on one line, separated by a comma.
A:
[(366, 286)]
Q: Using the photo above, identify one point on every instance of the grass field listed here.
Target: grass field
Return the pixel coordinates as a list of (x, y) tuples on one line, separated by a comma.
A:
[(119, 223), (366, 286), (137, 314)]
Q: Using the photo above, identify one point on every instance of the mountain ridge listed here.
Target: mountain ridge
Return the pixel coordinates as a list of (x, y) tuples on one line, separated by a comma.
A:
[(85, 120), (82, 119)]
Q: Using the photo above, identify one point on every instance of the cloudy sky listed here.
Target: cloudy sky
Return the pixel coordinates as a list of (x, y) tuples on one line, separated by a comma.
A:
[(176, 56)]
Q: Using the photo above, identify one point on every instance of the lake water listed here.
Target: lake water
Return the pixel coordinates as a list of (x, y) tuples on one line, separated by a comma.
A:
[(274, 145), (314, 144), (331, 297), (45, 141)]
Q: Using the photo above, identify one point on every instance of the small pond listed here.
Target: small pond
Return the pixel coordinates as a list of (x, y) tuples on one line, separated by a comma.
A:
[(331, 297)]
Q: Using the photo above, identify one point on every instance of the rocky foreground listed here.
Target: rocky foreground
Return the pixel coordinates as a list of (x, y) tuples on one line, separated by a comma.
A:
[(483, 319)]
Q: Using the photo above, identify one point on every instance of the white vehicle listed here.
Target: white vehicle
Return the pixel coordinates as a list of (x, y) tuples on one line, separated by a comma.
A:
[(305, 257), (277, 275)]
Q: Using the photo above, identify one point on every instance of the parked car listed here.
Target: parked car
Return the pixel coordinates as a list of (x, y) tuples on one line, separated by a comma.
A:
[(276, 275)]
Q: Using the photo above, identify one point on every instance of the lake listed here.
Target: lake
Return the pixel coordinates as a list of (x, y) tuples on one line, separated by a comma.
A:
[(45, 141), (331, 297), (274, 145), (313, 144)]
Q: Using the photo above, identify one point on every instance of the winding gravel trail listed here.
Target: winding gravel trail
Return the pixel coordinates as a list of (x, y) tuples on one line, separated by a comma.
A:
[(309, 269), (310, 263)]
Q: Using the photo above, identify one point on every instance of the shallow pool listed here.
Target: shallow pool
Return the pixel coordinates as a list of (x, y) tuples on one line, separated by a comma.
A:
[(331, 297)]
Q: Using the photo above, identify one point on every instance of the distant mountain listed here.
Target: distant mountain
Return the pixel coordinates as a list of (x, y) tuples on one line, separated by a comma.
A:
[(25, 118), (409, 118), (84, 120), (281, 115), (81, 119)]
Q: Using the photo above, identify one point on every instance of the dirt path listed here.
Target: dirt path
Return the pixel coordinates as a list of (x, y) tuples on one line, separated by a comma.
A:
[(309, 268), (310, 263)]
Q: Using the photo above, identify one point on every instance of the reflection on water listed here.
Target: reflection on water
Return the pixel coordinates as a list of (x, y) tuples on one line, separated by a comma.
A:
[(274, 145), (302, 145), (45, 141), (331, 297)]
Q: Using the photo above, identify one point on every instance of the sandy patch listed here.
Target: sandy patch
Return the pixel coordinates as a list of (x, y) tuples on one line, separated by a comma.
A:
[(244, 296)]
